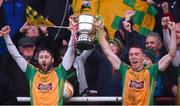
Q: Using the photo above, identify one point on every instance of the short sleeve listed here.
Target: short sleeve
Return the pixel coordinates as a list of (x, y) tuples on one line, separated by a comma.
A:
[(30, 71), (123, 69)]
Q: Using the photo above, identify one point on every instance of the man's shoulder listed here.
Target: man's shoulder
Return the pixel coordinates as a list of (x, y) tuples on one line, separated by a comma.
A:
[(155, 65), (59, 67)]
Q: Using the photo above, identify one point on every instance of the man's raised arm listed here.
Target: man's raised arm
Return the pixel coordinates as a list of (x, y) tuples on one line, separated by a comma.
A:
[(166, 60), (166, 36), (12, 49), (114, 60), (69, 55)]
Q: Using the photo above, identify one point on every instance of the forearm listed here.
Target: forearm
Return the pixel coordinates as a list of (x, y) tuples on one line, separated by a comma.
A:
[(173, 44), (166, 36), (104, 43), (176, 60), (69, 55), (15, 54)]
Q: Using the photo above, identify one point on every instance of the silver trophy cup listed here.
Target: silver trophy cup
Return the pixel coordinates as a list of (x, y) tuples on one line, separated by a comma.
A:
[(86, 32)]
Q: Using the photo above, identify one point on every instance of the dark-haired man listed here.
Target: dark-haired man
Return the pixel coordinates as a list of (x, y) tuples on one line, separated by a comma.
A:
[(139, 81), (46, 82)]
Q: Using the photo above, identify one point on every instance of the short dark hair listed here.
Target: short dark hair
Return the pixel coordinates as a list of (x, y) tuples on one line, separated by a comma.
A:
[(136, 46), (45, 49)]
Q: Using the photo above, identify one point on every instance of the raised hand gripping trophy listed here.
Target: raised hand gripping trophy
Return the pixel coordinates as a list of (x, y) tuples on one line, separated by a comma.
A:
[(86, 31)]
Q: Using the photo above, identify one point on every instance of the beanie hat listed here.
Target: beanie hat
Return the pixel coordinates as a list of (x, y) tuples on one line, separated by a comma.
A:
[(117, 43), (150, 54)]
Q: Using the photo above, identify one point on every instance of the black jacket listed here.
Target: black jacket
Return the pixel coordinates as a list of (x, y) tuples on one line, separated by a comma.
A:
[(9, 67), (7, 91)]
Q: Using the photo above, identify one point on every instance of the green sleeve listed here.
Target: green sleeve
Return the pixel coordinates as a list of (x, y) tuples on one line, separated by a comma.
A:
[(154, 71), (61, 72), (30, 71), (123, 69)]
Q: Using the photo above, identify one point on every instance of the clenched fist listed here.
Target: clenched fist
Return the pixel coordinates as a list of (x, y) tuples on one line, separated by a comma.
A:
[(5, 31)]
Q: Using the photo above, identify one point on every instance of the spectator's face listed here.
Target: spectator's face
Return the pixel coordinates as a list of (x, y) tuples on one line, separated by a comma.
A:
[(148, 61), (114, 48), (45, 60), (136, 58), (1, 2), (178, 33), (32, 31), (27, 52), (153, 43)]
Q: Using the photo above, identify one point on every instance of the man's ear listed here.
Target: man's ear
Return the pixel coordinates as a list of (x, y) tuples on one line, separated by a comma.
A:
[(144, 56), (34, 47), (52, 60), (20, 50), (160, 45)]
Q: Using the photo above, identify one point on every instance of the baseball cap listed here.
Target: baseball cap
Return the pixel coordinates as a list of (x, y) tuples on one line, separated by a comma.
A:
[(150, 54), (25, 41)]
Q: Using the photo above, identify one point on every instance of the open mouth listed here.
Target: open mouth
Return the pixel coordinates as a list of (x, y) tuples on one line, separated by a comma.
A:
[(44, 66), (134, 63)]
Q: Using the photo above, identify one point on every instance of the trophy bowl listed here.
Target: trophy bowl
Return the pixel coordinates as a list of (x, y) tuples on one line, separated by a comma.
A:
[(85, 32)]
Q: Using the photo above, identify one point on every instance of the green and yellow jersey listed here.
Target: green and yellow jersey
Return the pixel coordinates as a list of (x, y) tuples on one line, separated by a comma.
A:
[(46, 89), (138, 86)]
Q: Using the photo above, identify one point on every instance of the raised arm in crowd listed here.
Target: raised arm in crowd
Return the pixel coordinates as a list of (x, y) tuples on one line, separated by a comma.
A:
[(67, 61)]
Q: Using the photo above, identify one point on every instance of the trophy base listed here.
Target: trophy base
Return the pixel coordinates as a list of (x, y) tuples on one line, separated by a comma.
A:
[(84, 45)]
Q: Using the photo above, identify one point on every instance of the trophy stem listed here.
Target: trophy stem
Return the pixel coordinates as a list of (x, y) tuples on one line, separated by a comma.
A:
[(60, 27)]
